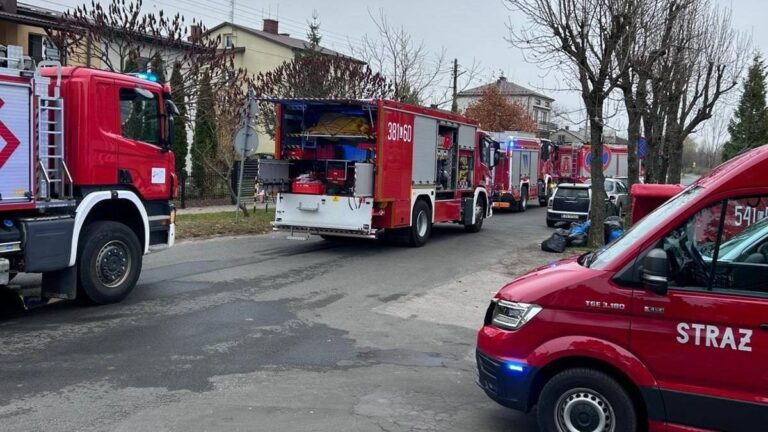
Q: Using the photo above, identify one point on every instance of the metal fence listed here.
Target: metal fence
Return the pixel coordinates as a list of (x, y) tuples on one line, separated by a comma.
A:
[(211, 189)]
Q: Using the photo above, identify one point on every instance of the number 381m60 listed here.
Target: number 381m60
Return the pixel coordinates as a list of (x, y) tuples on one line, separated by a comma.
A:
[(399, 132)]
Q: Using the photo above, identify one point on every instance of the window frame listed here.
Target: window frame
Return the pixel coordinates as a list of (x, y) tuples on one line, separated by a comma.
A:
[(156, 100), (711, 286)]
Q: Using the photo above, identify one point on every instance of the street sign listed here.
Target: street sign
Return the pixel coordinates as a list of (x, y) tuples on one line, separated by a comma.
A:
[(246, 141)]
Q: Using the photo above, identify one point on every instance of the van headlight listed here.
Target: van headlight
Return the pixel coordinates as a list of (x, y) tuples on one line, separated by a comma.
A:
[(512, 315)]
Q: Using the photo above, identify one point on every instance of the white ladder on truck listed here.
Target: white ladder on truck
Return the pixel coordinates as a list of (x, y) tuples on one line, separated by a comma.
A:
[(55, 185)]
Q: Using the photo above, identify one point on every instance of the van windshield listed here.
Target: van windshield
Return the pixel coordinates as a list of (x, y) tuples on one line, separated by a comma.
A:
[(601, 258)]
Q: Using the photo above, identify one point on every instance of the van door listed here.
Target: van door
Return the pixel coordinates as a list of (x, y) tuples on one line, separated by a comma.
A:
[(706, 341)]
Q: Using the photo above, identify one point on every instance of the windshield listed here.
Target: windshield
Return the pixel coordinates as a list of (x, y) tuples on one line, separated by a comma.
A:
[(604, 256)]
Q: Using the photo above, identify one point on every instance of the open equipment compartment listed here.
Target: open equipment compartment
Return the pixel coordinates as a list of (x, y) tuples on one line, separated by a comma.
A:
[(329, 143), (330, 149)]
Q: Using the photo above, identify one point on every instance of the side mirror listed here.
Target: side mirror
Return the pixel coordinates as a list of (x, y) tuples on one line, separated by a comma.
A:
[(612, 199), (654, 272), (170, 111)]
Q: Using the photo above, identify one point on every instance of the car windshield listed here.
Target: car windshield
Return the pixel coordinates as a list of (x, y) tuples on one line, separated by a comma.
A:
[(601, 258), (608, 185)]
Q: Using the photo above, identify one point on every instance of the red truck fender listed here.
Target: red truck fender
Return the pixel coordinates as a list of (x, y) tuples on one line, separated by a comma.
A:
[(595, 349), (90, 201)]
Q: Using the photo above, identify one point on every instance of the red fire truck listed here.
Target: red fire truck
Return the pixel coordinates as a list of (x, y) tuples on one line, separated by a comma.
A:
[(572, 162), (666, 329), (360, 168), (86, 178), (519, 173), (531, 168)]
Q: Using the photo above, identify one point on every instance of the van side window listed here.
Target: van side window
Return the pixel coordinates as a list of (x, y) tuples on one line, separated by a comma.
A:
[(723, 248), (139, 116)]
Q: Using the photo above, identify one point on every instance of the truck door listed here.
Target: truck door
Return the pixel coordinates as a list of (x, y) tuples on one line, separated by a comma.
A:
[(515, 169), (706, 341), (141, 161)]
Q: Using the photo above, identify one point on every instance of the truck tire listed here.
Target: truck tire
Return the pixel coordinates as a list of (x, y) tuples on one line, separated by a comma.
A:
[(109, 263), (522, 206), (543, 194), (550, 223), (585, 400), (421, 226), (479, 217)]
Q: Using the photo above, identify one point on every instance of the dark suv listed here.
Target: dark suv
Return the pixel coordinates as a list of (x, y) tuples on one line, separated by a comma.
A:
[(571, 203)]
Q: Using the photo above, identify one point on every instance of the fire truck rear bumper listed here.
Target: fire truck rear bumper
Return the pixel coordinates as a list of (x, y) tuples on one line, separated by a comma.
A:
[(296, 231)]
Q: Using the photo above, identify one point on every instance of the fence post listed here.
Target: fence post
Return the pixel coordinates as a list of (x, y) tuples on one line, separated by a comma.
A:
[(183, 188)]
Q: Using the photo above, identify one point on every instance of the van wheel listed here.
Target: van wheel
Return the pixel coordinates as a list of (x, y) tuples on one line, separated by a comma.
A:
[(422, 224), (522, 206), (585, 400), (109, 263), (479, 217)]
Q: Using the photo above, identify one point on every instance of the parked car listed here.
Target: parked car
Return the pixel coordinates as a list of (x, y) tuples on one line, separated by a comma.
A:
[(618, 193), (571, 203)]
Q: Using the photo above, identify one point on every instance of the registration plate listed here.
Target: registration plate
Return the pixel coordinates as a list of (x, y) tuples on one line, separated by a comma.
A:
[(570, 216), (500, 205)]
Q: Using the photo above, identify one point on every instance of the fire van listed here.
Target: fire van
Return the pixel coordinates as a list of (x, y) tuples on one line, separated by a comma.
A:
[(86, 178), (362, 168), (666, 329)]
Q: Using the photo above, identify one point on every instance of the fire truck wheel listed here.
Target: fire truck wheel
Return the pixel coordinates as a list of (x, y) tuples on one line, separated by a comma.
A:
[(109, 263), (422, 224), (585, 400), (523, 204), (479, 217)]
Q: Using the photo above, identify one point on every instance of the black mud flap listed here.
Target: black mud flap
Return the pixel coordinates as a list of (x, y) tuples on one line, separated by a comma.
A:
[(467, 210), (60, 283)]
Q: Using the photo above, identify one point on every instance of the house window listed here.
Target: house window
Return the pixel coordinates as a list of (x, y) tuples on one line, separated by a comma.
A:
[(229, 40), (547, 104), (538, 101), (35, 46)]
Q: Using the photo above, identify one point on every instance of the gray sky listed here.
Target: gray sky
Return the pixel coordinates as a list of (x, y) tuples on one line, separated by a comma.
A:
[(466, 30)]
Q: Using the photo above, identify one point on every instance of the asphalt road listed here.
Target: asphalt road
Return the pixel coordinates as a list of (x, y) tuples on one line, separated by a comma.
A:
[(266, 334)]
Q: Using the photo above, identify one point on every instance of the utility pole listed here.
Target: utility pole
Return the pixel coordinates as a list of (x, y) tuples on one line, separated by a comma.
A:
[(455, 104), (232, 11)]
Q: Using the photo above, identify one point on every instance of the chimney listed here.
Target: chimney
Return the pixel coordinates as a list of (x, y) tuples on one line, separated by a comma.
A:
[(8, 6), (195, 33), (271, 26)]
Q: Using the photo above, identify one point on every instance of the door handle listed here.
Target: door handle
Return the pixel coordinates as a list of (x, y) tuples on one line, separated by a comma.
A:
[(764, 326)]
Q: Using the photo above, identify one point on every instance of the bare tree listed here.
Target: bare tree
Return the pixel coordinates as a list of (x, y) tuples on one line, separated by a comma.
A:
[(652, 39), (583, 36), (417, 74), (120, 34), (701, 65), (718, 56), (714, 134)]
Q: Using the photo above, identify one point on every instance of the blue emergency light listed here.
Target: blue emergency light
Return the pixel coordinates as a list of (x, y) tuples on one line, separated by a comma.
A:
[(145, 76)]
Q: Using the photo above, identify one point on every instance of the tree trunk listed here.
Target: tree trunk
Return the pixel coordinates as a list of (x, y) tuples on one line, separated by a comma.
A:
[(633, 161), (675, 164), (597, 210)]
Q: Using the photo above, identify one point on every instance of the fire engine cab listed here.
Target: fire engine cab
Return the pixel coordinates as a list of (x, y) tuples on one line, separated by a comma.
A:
[(86, 178), (665, 329), (360, 168)]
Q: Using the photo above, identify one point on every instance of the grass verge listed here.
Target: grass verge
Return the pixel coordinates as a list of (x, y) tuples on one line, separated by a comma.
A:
[(206, 225)]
